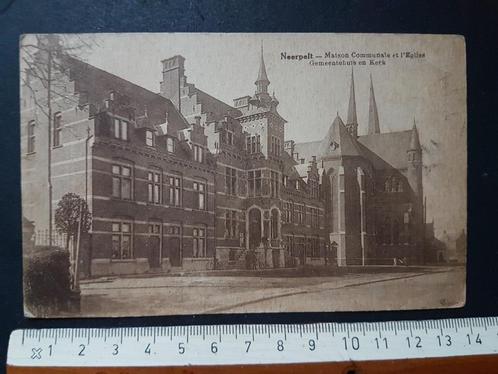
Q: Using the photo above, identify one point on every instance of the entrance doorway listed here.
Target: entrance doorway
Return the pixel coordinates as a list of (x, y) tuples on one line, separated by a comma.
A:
[(154, 244), (254, 228), (175, 256)]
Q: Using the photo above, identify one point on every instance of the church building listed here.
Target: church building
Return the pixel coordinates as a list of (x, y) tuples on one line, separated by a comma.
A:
[(180, 180)]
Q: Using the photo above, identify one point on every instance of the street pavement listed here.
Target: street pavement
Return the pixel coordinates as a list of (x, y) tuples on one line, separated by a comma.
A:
[(167, 295)]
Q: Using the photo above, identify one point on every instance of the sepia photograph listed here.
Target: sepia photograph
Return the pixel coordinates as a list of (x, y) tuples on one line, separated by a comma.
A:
[(173, 174)]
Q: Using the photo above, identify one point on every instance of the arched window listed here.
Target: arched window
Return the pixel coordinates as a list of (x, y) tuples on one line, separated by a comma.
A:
[(387, 185)]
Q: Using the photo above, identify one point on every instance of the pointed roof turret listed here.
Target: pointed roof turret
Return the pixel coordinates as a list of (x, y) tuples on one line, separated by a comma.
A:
[(352, 118), (414, 139), (262, 81), (373, 114), (262, 76)]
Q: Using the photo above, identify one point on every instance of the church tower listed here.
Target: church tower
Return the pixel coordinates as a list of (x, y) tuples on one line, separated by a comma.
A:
[(414, 155), (373, 114), (352, 120)]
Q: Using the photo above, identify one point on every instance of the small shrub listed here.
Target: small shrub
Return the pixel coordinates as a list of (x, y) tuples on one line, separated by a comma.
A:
[(47, 281)]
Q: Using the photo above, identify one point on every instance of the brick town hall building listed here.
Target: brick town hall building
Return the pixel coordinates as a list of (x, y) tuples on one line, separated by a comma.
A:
[(183, 180)]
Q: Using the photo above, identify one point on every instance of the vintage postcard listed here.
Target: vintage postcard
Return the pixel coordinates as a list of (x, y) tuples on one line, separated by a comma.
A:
[(228, 173)]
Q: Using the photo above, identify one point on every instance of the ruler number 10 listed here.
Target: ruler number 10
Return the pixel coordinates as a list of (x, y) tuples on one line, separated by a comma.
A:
[(355, 343)]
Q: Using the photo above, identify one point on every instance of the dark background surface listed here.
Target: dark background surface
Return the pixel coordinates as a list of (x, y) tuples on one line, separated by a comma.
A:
[(476, 20)]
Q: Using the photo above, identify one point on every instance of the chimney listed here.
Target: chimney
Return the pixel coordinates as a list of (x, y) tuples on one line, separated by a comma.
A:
[(314, 159)]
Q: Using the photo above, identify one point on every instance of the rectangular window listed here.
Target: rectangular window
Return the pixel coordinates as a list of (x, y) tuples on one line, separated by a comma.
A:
[(230, 181), (154, 187), (299, 214), (253, 144), (198, 153), (175, 188), (287, 214), (57, 129), (200, 195), (231, 224), (314, 217), (122, 239), (254, 180), (120, 129), (121, 182), (274, 184), (170, 145), (199, 242), (31, 136), (149, 138)]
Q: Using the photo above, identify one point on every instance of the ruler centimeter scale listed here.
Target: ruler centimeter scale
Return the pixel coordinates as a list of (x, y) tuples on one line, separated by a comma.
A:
[(252, 344)]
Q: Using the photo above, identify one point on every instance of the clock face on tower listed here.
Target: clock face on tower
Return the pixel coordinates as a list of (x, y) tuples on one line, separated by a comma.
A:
[(334, 145)]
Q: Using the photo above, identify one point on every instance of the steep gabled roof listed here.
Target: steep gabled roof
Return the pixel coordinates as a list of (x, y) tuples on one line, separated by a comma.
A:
[(338, 142), (97, 84), (387, 149)]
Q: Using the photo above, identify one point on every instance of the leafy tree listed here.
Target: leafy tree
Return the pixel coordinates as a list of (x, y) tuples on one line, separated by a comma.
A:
[(67, 216)]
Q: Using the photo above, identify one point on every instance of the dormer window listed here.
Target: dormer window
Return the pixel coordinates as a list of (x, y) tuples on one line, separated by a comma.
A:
[(170, 145), (112, 95), (149, 138), (120, 129), (198, 153)]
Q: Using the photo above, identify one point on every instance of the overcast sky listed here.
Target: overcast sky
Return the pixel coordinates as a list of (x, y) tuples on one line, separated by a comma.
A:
[(431, 90)]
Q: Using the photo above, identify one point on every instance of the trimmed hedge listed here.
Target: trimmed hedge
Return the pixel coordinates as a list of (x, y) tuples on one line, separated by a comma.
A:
[(47, 281)]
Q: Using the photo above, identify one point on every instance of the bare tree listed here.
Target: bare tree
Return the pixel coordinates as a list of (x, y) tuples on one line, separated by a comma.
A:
[(44, 75)]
